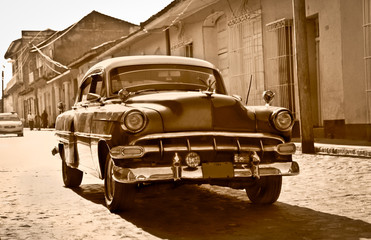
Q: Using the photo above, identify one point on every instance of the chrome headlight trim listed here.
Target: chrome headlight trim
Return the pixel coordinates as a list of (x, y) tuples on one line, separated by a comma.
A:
[(282, 120), (134, 121)]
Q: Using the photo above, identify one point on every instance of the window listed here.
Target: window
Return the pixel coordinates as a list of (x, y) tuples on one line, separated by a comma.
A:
[(164, 77), (188, 50), (246, 69), (280, 78), (92, 84)]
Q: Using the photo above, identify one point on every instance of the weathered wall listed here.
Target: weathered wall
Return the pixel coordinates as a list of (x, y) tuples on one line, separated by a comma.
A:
[(352, 62)]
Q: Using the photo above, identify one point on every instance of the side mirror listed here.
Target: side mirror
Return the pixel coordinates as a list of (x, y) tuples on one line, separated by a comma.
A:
[(124, 94), (268, 97)]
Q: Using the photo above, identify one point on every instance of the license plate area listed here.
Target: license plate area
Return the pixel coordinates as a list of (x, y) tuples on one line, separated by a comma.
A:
[(217, 170)]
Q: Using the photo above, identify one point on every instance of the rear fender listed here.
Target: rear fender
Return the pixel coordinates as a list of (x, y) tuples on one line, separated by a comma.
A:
[(67, 141)]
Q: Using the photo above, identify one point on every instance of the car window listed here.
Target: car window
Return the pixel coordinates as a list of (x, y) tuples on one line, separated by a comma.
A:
[(9, 118), (92, 84), (165, 77)]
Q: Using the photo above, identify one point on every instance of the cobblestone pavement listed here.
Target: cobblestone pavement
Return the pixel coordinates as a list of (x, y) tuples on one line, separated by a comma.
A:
[(330, 199)]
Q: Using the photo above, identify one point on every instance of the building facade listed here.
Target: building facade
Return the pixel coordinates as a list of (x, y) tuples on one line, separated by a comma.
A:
[(252, 43), (42, 77)]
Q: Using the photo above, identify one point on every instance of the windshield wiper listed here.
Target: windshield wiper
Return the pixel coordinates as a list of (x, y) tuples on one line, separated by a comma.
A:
[(124, 94), (145, 90)]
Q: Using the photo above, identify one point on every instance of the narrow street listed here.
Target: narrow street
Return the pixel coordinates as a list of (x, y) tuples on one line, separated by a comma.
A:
[(330, 199)]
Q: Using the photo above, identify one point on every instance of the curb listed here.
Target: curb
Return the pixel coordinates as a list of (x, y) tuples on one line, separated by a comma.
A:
[(339, 150)]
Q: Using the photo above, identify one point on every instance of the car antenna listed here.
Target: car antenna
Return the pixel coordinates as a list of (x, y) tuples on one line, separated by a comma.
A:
[(248, 92)]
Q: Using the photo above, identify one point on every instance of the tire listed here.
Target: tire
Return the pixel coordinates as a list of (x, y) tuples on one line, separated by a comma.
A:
[(265, 190), (20, 134), (71, 177), (118, 196)]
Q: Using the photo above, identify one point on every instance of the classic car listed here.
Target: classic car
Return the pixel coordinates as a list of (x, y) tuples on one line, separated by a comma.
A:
[(11, 124), (144, 120)]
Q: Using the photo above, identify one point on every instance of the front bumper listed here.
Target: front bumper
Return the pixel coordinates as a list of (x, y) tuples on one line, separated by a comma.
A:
[(11, 130), (224, 156), (202, 174)]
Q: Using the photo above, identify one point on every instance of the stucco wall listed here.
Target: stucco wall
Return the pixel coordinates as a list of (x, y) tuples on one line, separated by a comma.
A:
[(151, 44), (331, 64), (355, 104), (330, 59)]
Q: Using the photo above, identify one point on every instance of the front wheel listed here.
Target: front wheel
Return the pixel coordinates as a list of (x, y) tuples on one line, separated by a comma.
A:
[(118, 196), (265, 190), (71, 177)]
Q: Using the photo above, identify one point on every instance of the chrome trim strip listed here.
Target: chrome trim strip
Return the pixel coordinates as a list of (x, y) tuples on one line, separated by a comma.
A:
[(64, 133), (93, 135), (206, 133)]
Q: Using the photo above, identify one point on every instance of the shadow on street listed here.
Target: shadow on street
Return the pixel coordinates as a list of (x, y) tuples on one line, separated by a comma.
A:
[(193, 212)]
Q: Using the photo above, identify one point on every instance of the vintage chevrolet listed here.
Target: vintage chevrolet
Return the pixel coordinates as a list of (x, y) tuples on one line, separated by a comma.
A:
[(143, 120)]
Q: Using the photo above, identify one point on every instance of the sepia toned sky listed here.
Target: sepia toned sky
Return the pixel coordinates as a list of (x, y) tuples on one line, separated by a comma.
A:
[(18, 15)]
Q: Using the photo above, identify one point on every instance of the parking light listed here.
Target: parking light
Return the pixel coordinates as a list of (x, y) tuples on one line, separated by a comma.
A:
[(193, 160)]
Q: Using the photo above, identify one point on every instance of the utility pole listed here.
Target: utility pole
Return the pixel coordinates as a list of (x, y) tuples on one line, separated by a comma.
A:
[(2, 90), (306, 123), (167, 40)]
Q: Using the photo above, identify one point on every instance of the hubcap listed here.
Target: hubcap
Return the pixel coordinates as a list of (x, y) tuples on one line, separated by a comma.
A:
[(110, 182)]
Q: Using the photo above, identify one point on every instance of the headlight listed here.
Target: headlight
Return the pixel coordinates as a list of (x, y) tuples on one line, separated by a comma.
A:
[(134, 121), (283, 120)]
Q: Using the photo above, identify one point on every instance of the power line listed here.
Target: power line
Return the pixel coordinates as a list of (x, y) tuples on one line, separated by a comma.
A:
[(58, 64)]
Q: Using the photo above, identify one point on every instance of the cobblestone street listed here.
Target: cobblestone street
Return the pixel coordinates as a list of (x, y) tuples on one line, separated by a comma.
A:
[(330, 199)]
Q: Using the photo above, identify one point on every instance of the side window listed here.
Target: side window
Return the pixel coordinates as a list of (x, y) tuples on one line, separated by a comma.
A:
[(84, 89), (97, 85), (92, 84)]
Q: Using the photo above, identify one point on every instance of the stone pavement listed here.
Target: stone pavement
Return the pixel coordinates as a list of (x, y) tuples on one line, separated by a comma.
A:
[(339, 147)]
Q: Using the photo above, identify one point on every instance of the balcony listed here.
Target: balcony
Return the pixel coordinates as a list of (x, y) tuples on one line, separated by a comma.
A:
[(13, 83)]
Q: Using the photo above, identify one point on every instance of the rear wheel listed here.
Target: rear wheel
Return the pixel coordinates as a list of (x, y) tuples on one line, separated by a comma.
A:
[(265, 190), (71, 177), (118, 196)]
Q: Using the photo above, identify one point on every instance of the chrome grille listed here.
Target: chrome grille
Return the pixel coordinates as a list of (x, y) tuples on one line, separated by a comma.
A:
[(208, 142)]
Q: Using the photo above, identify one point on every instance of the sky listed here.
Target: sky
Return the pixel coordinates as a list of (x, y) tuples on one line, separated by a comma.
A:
[(18, 15)]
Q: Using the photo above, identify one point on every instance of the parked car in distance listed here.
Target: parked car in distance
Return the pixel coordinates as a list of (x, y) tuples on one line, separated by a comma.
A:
[(11, 124), (143, 120)]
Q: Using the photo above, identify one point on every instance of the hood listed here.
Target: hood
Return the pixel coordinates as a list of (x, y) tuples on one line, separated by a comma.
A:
[(10, 123), (197, 111)]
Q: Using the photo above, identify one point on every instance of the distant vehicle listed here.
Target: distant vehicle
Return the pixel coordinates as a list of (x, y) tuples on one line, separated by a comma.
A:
[(11, 124), (145, 120)]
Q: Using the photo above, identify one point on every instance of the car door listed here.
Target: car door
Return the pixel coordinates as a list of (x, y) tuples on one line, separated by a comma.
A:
[(85, 108)]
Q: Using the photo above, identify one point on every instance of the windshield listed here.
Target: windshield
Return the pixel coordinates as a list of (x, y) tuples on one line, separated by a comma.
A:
[(9, 118), (165, 77)]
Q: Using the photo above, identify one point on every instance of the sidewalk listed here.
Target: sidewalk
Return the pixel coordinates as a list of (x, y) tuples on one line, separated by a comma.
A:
[(339, 147)]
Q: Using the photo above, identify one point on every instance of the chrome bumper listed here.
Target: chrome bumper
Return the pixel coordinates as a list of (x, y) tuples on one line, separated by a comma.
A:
[(223, 170)]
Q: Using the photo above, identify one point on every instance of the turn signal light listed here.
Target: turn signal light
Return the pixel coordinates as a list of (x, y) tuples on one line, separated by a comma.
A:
[(286, 148)]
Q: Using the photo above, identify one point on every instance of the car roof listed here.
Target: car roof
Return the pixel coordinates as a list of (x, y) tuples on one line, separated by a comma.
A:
[(147, 59)]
